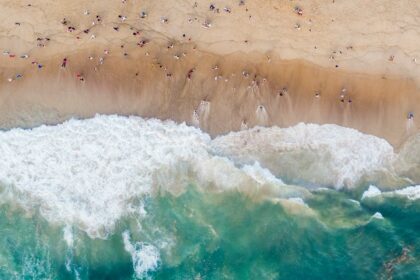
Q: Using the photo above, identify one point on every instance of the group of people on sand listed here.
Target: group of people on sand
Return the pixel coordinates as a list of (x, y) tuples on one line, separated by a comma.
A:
[(142, 42)]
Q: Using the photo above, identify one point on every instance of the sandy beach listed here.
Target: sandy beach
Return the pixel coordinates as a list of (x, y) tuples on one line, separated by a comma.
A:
[(209, 139), (221, 65)]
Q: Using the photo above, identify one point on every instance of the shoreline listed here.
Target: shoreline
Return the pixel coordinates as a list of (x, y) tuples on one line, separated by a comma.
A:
[(221, 94), (220, 66)]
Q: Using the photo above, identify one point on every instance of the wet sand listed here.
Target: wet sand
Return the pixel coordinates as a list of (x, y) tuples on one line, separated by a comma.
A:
[(240, 72)]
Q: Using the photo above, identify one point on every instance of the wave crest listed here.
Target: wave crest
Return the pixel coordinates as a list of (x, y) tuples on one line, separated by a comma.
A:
[(90, 173), (315, 155)]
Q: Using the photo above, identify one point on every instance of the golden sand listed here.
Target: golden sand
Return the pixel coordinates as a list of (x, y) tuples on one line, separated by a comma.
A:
[(273, 68)]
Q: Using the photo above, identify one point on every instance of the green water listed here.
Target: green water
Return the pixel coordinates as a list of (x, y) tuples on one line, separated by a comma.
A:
[(227, 235)]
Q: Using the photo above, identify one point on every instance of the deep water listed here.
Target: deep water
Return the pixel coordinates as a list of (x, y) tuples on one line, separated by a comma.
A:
[(227, 235)]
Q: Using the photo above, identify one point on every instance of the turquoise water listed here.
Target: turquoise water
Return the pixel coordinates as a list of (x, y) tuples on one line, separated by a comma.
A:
[(227, 236), (127, 198)]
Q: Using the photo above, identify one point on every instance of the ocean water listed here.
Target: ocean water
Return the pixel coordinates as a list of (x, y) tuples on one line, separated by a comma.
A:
[(127, 198)]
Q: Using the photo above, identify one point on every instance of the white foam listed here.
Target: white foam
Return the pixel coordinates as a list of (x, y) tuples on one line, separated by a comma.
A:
[(378, 216), (90, 173), (261, 175), (326, 155), (145, 257), (371, 192), (68, 236), (408, 162), (412, 192), (68, 263)]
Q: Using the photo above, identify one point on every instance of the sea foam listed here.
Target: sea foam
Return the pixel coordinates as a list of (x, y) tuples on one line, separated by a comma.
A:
[(411, 193), (90, 173), (145, 257), (322, 155), (372, 191)]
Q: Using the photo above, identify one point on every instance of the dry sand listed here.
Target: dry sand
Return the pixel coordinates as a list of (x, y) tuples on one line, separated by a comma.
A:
[(259, 64)]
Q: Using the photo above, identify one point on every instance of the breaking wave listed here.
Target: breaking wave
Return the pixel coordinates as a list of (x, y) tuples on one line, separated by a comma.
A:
[(90, 173)]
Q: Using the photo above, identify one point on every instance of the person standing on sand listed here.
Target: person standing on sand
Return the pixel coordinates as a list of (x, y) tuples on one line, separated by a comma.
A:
[(64, 64)]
